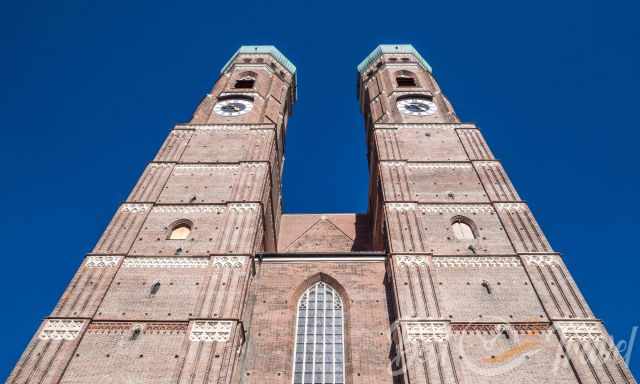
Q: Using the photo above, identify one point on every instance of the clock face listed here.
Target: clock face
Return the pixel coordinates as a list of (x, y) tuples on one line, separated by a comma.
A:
[(417, 107), (233, 107)]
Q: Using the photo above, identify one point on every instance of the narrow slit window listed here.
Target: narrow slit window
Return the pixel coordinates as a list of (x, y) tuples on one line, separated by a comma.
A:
[(462, 231), (180, 232), (319, 350)]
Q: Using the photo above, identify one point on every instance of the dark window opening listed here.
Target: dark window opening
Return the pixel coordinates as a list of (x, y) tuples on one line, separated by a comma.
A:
[(155, 288), (245, 83), (135, 334), (406, 81), (486, 286)]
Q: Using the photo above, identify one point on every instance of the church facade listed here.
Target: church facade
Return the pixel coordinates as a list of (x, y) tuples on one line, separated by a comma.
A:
[(200, 277)]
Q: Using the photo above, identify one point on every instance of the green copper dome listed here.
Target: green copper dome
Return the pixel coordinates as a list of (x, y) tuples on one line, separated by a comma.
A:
[(392, 48), (263, 49)]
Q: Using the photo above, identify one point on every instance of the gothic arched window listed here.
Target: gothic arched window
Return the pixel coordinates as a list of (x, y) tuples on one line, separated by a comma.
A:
[(462, 230), (319, 349)]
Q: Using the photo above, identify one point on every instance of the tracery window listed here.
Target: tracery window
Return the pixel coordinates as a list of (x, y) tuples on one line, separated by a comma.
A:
[(319, 349)]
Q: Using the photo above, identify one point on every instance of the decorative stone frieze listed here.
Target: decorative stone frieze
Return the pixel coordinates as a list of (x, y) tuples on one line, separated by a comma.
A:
[(211, 331), (182, 169), (61, 329), (402, 207), (427, 331), (542, 260), (102, 261), (229, 261), (476, 262), (440, 165), (135, 208), (411, 261), (244, 206), (166, 262), (461, 208), (413, 126), (580, 330), (224, 127), (188, 209)]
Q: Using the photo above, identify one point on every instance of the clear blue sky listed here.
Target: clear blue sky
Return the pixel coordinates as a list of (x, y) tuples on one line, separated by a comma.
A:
[(89, 91)]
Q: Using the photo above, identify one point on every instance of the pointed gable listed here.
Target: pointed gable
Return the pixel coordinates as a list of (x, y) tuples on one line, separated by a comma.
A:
[(322, 233), (322, 236)]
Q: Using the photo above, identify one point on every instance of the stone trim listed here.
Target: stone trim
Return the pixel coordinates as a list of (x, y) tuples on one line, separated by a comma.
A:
[(428, 125), (225, 127), (102, 261), (542, 260), (211, 331), (244, 206), (442, 165), (580, 330), (166, 262), (135, 208), (188, 209), (412, 260), (61, 329), (512, 207), (428, 331), (228, 261), (462, 208), (476, 262)]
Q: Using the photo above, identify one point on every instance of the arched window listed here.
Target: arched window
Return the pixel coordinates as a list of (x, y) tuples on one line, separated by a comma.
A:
[(246, 80), (462, 230), (319, 349), (180, 231), (406, 79)]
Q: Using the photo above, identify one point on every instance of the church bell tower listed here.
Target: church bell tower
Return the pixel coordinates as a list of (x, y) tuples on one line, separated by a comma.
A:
[(478, 293), (161, 298), (200, 278)]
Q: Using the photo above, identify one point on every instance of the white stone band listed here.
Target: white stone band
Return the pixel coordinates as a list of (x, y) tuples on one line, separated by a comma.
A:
[(228, 261), (476, 262), (211, 331), (430, 332), (580, 330), (61, 329), (166, 262), (102, 261)]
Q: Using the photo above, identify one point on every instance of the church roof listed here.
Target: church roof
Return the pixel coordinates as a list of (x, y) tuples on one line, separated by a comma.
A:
[(392, 48), (263, 49)]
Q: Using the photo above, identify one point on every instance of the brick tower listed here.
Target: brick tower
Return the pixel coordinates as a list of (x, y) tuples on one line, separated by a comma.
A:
[(161, 297), (199, 277), (477, 293)]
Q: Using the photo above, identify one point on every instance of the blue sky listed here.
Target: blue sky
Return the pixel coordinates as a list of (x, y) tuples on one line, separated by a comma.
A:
[(89, 91)]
